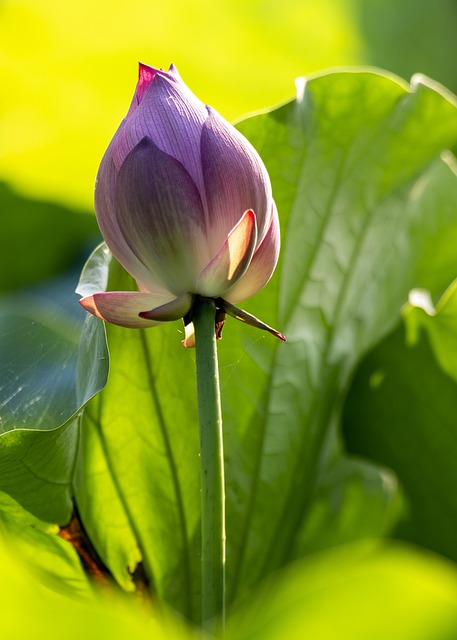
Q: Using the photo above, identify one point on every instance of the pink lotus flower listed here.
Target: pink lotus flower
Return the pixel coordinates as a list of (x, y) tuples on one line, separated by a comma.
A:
[(184, 203)]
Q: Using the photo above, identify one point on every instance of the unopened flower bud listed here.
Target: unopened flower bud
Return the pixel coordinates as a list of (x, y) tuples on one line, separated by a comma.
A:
[(184, 203)]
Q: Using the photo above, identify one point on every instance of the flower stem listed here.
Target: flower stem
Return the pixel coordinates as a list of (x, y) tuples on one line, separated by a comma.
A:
[(211, 466)]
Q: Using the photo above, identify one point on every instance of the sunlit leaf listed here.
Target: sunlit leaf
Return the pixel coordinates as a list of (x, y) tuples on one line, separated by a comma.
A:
[(439, 323), (353, 163), (32, 607), (138, 482), (53, 559)]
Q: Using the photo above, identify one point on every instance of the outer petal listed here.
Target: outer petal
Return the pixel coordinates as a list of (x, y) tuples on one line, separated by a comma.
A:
[(171, 115), (160, 216), (173, 310), (235, 179), (106, 216), (261, 267), (123, 307), (232, 259)]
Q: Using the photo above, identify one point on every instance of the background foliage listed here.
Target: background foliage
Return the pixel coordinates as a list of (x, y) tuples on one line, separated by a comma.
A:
[(347, 432)]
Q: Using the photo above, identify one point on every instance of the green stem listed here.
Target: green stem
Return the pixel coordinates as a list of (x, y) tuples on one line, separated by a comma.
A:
[(211, 466)]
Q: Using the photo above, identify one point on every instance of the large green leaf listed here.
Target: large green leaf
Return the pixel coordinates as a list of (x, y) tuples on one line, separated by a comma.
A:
[(141, 432), (355, 162), (401, 412), (96, 490), (440, 325), (50, 366)]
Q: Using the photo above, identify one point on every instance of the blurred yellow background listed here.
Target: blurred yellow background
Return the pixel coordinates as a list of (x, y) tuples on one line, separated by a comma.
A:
[(68, 70)]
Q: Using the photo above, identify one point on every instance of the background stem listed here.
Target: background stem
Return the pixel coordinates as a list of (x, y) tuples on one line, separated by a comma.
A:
[(211, 466)]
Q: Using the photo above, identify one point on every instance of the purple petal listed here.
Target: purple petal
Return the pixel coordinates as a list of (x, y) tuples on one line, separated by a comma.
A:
[(146, 75), (173, 310), (105, 209), (232, 259), (262, 265), (123, 307), (160, 216), (172, 116), (235, 179), (172, 71)]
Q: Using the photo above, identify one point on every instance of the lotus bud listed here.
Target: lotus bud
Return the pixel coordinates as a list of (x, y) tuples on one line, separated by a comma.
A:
[(184, 203)]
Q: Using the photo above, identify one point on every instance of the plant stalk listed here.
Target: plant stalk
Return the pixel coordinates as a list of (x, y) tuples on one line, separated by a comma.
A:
[(211, 467)]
